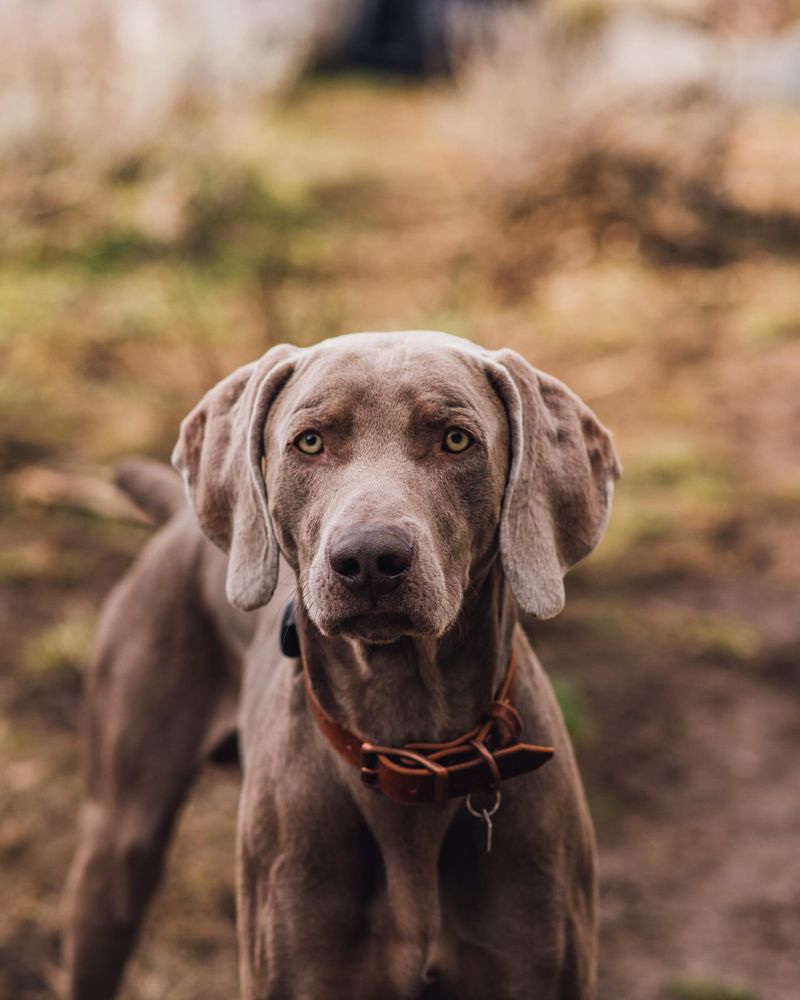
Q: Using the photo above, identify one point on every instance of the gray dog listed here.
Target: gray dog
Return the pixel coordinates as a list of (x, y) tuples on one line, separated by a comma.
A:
[(411, 491)]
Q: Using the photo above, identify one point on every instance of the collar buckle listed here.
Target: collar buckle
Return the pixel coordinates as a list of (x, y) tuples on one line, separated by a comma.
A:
[(432, 773)]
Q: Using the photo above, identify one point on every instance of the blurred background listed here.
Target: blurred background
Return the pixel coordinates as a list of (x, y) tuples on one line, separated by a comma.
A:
[(613, 189)]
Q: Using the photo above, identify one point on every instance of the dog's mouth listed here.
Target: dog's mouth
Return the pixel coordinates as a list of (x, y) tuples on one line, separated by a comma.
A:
[(410, 611), (377, 627)]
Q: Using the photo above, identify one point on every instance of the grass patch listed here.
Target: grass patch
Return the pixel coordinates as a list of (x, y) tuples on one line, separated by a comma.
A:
[(33, 561), (718, 638), (60, 652), (705, 989), (236, 223), (573, 708), (115, 248)]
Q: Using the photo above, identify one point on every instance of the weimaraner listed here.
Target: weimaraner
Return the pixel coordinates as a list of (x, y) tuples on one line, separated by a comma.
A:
[(397, 835)]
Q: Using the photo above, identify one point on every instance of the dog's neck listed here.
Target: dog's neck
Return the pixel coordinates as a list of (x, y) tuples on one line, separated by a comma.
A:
[(416, 689)]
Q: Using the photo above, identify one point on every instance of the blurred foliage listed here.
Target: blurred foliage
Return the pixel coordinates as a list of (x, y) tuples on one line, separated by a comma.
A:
[(642, 247), (574, 709), (61, 650), (706, 989)]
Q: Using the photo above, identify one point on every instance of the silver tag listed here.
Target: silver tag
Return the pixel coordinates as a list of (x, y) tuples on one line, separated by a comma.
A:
[(486, 816)]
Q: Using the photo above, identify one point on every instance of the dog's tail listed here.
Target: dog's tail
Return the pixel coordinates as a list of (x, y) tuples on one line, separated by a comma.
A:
[(153, 487)]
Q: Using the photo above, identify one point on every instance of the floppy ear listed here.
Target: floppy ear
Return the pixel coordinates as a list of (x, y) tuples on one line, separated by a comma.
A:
[(560, 482), (219, 454)]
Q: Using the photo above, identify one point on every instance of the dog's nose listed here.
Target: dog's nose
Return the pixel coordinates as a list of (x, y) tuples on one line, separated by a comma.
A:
[(371, 559)]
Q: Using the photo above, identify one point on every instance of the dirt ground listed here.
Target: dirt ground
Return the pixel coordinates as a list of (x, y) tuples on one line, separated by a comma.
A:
[(676, 660)]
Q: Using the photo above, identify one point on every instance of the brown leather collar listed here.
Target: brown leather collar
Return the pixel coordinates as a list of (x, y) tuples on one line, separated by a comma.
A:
[(432, 773)]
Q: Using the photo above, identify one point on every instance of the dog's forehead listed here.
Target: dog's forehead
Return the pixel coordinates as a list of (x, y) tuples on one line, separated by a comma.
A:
[(368, 370)]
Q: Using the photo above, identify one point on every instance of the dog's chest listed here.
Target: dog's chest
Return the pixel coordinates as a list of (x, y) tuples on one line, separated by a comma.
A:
[(429, 923)]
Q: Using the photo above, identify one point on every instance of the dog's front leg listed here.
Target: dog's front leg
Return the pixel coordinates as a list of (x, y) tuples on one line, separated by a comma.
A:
[(309, 873)]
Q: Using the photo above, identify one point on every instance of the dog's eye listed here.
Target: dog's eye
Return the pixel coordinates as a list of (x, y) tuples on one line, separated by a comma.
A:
[(456, 440), (309, 442)]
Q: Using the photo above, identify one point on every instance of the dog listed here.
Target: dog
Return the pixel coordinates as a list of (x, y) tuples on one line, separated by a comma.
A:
[(412, 823)]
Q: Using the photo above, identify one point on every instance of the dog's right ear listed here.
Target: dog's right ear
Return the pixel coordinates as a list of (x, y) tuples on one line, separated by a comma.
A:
[(219, 454)]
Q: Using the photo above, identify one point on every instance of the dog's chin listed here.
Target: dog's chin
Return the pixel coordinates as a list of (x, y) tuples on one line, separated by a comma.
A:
[(378, 628)]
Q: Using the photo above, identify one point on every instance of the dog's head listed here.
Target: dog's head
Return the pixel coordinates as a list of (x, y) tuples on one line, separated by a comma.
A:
[(390, 469)]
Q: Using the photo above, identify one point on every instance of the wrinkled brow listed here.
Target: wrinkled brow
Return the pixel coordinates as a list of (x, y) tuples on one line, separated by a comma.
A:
[(328, 404), (434, 409), (443, 402), (322, 416), (409, 397)]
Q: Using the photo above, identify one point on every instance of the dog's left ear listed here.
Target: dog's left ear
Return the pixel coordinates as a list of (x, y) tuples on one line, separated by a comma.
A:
[(219, 454), (560, 482)]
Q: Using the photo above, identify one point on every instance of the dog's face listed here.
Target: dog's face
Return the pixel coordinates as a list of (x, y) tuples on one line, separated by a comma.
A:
[(385, 464), (390, 469)]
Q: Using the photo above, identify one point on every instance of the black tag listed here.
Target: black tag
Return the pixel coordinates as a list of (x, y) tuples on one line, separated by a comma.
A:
[(290, 644)]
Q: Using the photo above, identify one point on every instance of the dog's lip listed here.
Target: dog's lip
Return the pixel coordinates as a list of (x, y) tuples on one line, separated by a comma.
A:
[(376, 616), (376, 625)]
